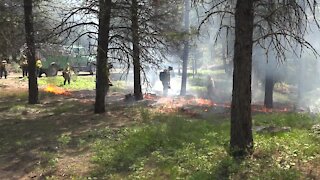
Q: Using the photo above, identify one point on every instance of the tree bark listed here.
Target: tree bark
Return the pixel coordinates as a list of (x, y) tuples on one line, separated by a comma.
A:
[(268, 93), (103, 41), (33, 83), (241, 141), (136, 51), (185, 55)]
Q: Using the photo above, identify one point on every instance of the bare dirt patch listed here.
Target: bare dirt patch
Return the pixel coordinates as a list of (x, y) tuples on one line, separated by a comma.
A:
[(34, 138)]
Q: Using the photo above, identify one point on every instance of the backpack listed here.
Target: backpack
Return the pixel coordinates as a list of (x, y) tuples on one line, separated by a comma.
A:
[(162, 75)]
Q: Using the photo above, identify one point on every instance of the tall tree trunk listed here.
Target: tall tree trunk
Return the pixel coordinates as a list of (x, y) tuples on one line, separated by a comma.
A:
[(33, 83), (241, 141), (103, 41), (185, 55), (268, 90), (136, 51)]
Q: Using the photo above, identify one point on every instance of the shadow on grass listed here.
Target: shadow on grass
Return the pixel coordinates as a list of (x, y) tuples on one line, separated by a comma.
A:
[(165, 144), (224, 170), (30, 132)]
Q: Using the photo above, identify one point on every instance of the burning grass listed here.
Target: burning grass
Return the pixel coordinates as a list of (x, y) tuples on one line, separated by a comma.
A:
[(56, 90), (175, 104)]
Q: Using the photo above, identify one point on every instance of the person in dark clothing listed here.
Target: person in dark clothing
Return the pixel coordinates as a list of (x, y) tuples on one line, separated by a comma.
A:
[(66, 74), (109, 67), (3, 69), (165, 79), (24, 66)]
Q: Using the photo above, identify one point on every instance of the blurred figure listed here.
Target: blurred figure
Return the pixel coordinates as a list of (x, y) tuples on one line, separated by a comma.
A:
[(3, 69), (151, 76), (210, 87), (165, 79), (109, 66), (24, 65), (38, 67), (66, 73)]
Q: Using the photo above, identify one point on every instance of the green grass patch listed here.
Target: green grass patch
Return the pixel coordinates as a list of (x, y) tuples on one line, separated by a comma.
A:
[(118, 86), (211, 72), (80, 83), (77, 82), (48, 160), (164, 144), (160, 146), (198, 81), (14, 95), (279, 97), (173, 147), (293, 120)]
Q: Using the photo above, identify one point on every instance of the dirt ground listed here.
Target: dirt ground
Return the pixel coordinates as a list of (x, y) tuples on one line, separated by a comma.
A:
[(29, 133), (31, 136)]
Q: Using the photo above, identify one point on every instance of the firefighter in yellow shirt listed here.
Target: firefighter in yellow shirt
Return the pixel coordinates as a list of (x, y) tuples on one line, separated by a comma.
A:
[(38, 67)]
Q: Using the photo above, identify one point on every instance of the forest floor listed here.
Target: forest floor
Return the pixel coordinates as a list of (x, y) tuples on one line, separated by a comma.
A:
[(157, 138)]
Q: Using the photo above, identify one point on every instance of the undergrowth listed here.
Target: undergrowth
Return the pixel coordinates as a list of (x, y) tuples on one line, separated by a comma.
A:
[(175, 147)]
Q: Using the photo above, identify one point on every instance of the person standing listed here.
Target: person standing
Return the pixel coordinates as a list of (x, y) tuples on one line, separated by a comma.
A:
[(3, 69), (24, 66), (210, 87), (67, 74), (165, 79), (38, 67), (109, 67)]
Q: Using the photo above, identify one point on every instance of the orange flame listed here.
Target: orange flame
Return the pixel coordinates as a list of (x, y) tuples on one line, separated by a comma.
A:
[(56, 90), (172, 103), (149, 96)]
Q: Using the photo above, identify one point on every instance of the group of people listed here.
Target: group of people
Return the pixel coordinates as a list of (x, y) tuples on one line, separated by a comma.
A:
[(24, 66), (66, 73)]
